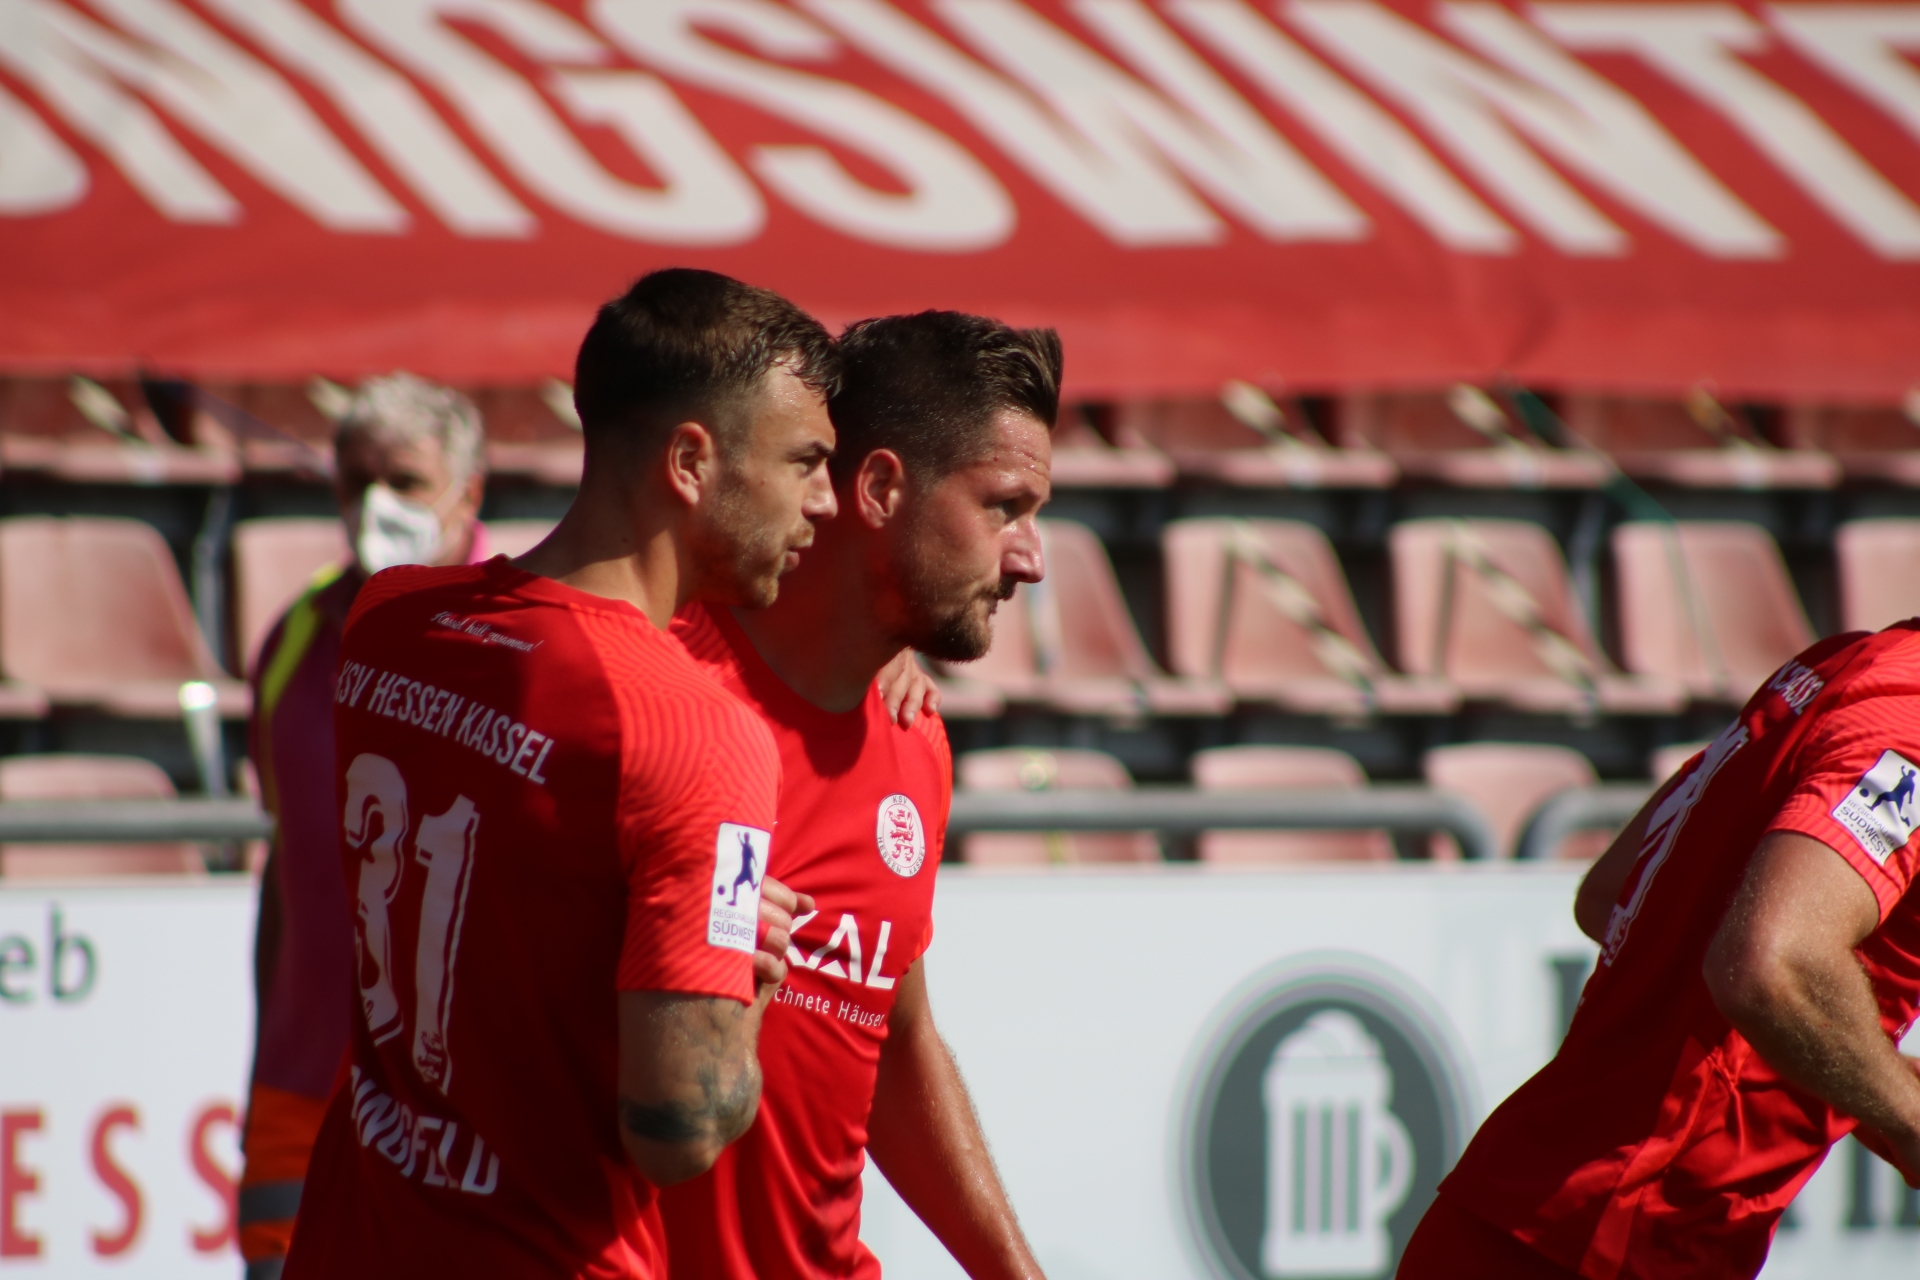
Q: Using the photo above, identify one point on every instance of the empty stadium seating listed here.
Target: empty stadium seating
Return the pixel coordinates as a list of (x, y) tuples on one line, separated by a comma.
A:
[(1247, 440), (1034, 769), (1666, 762), (1083, 459), (1708, 604), (1263, 606), (1465, 437), (1486, 604), (1696, 443), (93, 614), (1875, 444), (1879, 571), (1069, 642), (1282, 769), (89, 777), (532, 432), (273, 562), (1508, 782), (84, 431)]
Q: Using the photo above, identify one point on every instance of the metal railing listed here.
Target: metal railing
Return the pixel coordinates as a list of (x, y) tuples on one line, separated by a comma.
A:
[(1182, 811), (131, 821), (1585, 809)]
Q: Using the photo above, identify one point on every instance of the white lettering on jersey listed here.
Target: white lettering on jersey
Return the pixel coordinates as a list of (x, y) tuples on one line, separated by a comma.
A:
[(739, 865), (407, 1140), (494, 734), (486, 632), (845, 947), (1880, 812), (1797, 685), (901, 835)]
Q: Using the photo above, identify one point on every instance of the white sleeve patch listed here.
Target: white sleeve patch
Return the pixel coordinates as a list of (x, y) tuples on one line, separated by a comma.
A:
[(1880, 811), (739, 865)]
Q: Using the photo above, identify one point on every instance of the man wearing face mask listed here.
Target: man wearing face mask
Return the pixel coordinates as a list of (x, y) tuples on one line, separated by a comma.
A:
[(408, 481)]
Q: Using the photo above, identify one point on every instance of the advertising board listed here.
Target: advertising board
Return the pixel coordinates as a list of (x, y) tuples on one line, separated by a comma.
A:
[(1182, 1073)]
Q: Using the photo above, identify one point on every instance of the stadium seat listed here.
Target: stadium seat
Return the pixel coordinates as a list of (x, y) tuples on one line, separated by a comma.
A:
[(92, 612), (81, 777), (1464, 437), (1070, 644), (98, 433), (273, 562), (1083, 459), (291, 432), (1875, 444), (1030, 769), (1707, 603), (1263, 605), (1508, 782), (532, 432), (1486, 604), (1697, 444), (1666, 762), (1879, 564), (1246, 439), (1283, 769)]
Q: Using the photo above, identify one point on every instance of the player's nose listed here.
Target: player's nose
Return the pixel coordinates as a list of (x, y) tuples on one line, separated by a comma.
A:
[(1022, 558)]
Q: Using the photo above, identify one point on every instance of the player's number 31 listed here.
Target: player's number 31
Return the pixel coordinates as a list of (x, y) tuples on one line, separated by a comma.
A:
[(443, 848)]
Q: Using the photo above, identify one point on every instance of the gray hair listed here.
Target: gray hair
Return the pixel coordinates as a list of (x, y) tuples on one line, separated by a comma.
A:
[(404, 407)]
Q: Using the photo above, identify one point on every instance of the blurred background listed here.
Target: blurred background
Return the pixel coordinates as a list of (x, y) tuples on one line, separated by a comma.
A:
[(1468, 406)]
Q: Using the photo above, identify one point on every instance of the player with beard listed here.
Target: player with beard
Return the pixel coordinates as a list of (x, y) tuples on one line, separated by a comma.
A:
[(546, 804), (944, 427)]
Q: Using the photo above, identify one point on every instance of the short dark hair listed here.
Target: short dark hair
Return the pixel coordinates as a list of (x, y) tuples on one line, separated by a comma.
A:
[(927, 386), (681, 341)]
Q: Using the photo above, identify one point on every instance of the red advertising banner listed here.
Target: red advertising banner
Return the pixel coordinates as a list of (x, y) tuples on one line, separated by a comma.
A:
[(1323, 193)]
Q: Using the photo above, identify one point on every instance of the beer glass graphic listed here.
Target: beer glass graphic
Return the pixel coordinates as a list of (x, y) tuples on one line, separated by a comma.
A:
[(1338, 1161)]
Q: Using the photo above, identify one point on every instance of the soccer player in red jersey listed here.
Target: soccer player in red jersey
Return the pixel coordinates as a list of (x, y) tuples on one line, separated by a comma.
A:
[(556, 826), (943, 422), (1759, 964)]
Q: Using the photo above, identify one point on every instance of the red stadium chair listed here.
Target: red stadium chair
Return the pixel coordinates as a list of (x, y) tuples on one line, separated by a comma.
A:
[(1284, 769), (80, 777), (1084, 459), (1507, 782), (1248, 440), (1697, 444), (1486, 604), (532, 432), (1029, 769), (274, 561), (1464, 437), (99, 433), (305, 443), (1263, 605), (1877, 444), (1070, 644), (1707, 603), (93, 613), (1879, 563)]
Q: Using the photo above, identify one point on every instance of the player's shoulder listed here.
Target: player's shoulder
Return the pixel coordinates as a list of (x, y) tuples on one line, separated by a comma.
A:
[(403, 581), (931, 733), (704, 641)]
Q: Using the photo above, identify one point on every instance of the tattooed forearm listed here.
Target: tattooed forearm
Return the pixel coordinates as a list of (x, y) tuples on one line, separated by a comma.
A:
[(721, 1114)]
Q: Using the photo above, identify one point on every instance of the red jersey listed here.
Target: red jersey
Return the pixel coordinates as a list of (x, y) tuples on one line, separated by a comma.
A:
[(863, 817), (546, 803), (1657, 1143)]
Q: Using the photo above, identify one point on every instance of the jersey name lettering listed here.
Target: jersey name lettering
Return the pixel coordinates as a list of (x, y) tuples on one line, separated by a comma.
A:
[(494, 734)]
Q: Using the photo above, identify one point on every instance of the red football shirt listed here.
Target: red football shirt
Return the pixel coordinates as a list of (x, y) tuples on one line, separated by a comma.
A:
[(546, 803), (1657, 1143), (863, 816)]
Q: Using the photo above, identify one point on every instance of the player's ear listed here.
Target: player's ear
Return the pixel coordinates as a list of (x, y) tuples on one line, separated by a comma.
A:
[(879, 487), (691, 461)]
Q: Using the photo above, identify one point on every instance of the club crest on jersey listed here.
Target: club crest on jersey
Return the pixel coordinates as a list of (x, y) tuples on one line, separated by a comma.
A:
[(901, 835), (1881, 811), (739, 865)]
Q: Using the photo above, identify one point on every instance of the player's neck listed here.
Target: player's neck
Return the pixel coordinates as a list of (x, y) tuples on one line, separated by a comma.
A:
[(604, 552), (823, 636)]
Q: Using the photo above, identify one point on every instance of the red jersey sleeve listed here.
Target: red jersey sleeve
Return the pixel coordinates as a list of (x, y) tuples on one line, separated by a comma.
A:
[(1859, 770), (699, 786)]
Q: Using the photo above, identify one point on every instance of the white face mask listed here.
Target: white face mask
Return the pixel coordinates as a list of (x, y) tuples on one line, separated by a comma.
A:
[(394, 530)]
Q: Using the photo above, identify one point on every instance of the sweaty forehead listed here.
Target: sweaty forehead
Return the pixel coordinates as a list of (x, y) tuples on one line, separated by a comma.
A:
[(1017, 442)]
